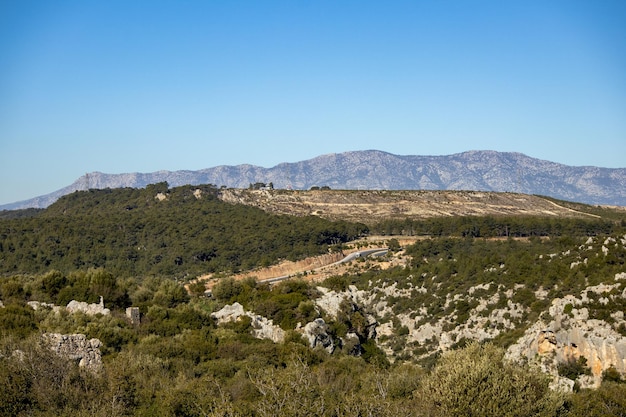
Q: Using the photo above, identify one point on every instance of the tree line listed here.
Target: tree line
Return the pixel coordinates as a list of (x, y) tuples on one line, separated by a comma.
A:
[(178, 232)]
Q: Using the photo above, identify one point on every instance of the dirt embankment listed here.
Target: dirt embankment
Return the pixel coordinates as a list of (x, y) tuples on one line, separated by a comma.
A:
[(317, 268)]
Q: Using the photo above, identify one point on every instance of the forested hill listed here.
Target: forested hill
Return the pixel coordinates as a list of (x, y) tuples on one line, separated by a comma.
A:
[(177, 232)]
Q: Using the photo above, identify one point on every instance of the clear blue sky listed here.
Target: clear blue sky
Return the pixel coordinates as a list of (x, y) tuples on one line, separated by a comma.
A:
[(140, 86)]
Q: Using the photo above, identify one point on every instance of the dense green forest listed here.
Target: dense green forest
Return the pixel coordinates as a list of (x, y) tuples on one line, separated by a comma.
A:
[(130, 232), (127, 246)]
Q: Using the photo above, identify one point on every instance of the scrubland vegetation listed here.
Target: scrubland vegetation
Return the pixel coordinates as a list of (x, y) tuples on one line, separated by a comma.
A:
[(178, 362)]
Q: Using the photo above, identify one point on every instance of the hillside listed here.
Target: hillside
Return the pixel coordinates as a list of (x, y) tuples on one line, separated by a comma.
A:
[(375, 206), (376, 170), (379, 338), (194, 230), (493, 303), (175, 232)]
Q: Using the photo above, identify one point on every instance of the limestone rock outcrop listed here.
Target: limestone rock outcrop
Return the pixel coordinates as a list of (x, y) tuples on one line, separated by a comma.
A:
[(86, 352), (262, 328), (331, 301), (36, 305), (316, 332), (230, 312), (89, 309), (569, 335)]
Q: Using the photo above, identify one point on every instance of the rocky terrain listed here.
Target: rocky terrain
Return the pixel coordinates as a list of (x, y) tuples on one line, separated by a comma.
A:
[(575, 331), (585, 326), (376, 170), (86, 352), (567, 333)]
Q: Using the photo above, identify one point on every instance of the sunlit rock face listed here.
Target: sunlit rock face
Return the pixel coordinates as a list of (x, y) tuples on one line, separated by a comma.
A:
[(262, 328), (316, 333), (570, 334)]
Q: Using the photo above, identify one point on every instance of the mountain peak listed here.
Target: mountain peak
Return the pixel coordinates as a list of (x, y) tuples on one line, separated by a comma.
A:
[(478, 170)]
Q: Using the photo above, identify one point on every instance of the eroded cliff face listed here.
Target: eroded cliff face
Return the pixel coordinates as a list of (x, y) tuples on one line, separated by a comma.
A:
[(567, 333)]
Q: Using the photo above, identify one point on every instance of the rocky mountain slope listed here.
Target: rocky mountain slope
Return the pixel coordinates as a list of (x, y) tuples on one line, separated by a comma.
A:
[(473, 170)]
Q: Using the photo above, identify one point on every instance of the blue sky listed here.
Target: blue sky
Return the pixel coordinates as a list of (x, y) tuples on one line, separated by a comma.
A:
[(140, 86)]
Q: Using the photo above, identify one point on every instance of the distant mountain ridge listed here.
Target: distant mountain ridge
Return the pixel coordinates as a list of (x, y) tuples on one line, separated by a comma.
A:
[(373, 169)]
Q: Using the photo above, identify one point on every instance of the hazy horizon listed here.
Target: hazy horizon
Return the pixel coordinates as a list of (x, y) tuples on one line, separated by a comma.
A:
[(120, 87)]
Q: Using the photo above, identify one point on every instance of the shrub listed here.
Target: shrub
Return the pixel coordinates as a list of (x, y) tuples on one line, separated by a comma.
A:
[(197, 288), (403, 331), (17, 320), (607, 401), (336, 283), (573, 368), (612, 375), (474, 381), (226, 289)]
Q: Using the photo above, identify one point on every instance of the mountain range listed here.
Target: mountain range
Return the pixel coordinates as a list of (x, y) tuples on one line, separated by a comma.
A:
[(377, 170)]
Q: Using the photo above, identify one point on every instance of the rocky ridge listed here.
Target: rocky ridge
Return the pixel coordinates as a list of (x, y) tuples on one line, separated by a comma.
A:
[(377, 170)]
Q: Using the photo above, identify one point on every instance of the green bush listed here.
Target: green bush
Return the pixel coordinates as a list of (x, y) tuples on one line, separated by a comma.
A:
[(226, 289), (336, 283), (612, 375), (607, 401), (17, 320), (573, 368), (474, 381)]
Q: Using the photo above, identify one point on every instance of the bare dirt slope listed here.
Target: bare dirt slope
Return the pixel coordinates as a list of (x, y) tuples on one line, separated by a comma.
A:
[(373, 206)]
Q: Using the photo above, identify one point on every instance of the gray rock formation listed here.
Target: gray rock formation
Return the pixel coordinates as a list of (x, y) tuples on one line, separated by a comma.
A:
[(316, 332), (76, 347), (262, 328), (230, 312), (36, 305), (331, 301), (89, 309)]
